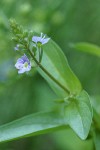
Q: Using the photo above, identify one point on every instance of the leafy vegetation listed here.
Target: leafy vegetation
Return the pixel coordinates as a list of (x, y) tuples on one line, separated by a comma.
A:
[(73, 25)]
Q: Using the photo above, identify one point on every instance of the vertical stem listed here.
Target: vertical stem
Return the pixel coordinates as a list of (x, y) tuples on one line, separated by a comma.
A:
[(41, 54)]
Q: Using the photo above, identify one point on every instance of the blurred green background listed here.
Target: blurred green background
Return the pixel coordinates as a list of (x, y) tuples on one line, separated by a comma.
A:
[(66, 22)]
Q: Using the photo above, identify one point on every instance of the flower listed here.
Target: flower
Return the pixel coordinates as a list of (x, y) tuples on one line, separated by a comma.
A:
[(23, 64), (16, 48), (40, 40)]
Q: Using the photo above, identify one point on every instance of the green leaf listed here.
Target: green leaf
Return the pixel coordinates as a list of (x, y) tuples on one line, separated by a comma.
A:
[(55, 62), (31, 125), (95, 100), (79, 114), (97, 140), (88, 47)]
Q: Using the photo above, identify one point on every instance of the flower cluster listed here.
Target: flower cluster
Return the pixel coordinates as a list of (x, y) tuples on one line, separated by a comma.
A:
[(23, 64)]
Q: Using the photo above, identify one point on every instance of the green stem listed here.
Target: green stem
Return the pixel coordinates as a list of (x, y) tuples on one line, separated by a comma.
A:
[(46, 72), (41, 54)]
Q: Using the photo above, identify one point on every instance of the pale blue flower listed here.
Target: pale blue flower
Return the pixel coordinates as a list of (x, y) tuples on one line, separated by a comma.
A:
[(16, 48), (23, 64), (40, 39)]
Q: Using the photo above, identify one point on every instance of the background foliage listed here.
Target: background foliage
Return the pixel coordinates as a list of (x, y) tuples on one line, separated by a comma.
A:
[(67, 22)]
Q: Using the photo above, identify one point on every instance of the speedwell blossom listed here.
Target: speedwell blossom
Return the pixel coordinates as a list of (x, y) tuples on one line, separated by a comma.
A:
[(23, 64), (40, 39), (16, 48)]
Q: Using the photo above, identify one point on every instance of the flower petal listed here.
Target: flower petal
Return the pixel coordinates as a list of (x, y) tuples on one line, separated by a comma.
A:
[(44, 41), (19, 65), (36, 39), (21, 71)]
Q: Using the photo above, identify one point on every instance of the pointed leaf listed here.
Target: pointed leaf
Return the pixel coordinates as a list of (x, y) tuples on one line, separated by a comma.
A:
[(79, 114), (88, 47), (55, 62), (97, 140), (30, 125)]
